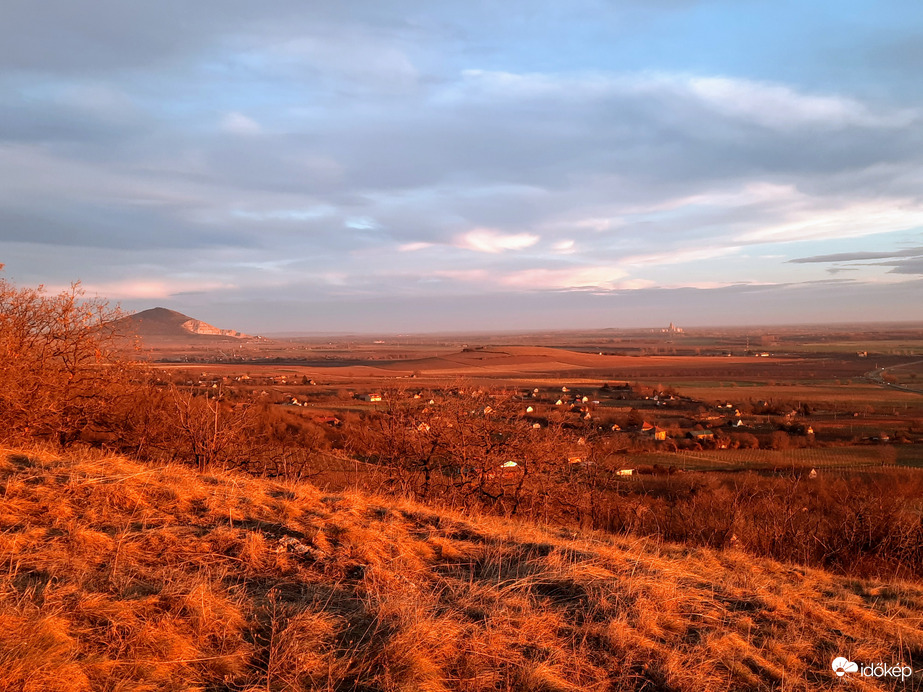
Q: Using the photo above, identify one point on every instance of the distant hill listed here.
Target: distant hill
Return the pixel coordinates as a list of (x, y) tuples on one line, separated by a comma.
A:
[(162, 323)]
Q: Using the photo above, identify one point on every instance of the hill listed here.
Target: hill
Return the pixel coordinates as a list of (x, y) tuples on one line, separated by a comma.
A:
[(164, 324), (118, 576)]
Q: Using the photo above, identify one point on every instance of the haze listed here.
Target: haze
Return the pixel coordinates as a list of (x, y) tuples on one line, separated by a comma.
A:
[(395, 166)]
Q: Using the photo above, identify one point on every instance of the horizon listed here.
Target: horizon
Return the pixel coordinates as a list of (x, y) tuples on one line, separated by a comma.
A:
[(684, 328), (401, 167)]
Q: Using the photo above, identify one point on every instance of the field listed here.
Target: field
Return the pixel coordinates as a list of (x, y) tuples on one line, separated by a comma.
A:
[(846, 458)]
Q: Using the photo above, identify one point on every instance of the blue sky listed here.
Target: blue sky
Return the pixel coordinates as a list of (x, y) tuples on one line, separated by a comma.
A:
[(415, 166)]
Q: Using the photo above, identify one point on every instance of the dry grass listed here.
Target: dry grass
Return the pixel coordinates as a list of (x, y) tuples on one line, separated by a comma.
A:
[(119, 576)]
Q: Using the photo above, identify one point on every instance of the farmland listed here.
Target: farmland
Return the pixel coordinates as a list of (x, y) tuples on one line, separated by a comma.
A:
[(788, 397)]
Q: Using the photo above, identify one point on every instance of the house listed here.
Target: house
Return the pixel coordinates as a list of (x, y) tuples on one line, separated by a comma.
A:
[(506, 469), (701, 434), (647, 427), (529, 409), (372, 397), (659, 433), (625, 472), (736, 423)]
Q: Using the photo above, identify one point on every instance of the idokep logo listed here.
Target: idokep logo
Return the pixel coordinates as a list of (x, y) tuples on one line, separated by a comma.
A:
[(841, 666)]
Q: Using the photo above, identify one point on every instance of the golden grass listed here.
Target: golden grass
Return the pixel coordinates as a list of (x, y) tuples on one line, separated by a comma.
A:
[(119, 576)]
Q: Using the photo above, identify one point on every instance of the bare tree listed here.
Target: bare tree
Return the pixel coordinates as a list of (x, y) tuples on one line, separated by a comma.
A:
[(62, 368)]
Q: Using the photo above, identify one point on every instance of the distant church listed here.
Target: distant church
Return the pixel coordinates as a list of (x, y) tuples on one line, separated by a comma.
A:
[(672, 329)]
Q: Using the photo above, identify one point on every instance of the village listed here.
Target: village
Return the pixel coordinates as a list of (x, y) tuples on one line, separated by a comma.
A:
[(632, 428)]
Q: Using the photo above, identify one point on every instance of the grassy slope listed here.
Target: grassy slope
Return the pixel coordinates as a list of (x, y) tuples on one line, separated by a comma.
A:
[(118, 576)]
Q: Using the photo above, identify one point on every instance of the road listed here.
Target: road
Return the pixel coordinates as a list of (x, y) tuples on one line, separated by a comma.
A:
[(876, 377)]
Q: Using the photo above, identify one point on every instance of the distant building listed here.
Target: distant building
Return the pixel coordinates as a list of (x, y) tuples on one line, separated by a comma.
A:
[(701, 434)]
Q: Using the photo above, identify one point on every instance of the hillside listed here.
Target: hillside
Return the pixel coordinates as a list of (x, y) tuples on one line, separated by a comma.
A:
[(164, 324), (120, 576)]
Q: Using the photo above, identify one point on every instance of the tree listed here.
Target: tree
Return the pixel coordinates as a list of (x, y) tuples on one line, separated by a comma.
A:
[(62, 369), (779, 440), (473, 448)]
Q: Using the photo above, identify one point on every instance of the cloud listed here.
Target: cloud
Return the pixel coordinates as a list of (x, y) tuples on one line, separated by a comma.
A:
[(819, 219), (765, 104), (571, 278), (779, 106), (491, 241), (681, 256), (908, 266), (329, 146), (908, 261), (413, 247), (858, 256), (240, 124), (149, 289)]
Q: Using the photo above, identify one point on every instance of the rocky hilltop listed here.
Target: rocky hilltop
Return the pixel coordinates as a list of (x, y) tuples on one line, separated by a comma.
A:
[(164, 323)]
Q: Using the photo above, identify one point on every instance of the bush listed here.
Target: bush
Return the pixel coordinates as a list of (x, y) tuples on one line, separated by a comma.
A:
[(61, 372)]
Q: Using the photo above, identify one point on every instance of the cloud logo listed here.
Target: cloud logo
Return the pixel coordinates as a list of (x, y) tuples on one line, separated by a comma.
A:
[(841, 666)]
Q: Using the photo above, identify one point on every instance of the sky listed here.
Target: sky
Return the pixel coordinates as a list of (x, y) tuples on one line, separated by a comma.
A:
[(404, 166)]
